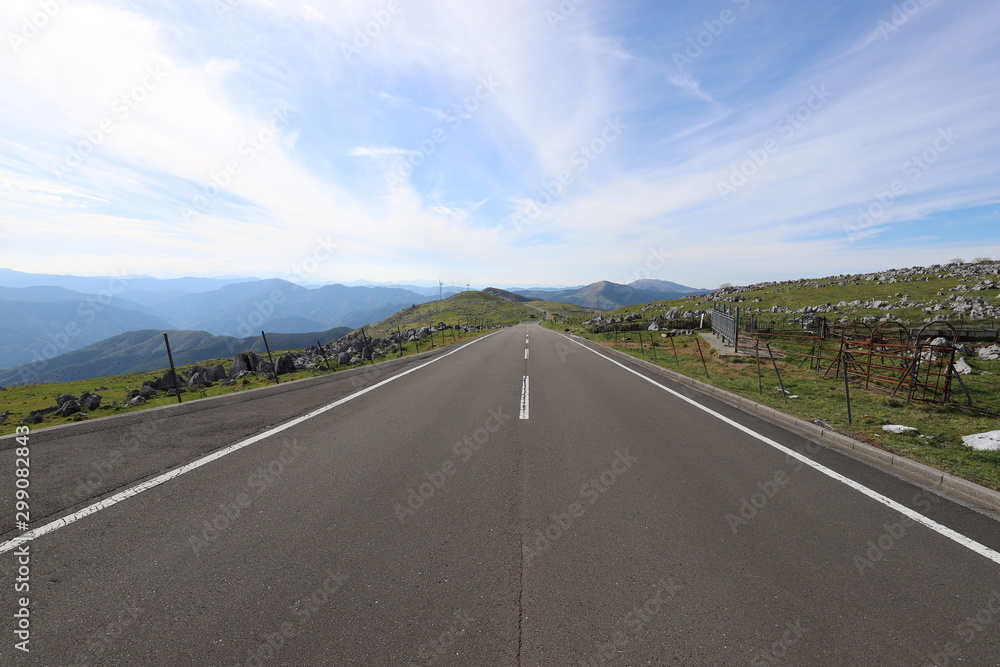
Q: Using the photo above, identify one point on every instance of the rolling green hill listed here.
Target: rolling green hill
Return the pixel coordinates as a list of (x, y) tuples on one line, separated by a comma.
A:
[(464, 308), (962, 294)]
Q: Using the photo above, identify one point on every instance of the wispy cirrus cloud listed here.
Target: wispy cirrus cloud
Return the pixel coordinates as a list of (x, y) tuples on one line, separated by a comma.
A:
[(797, 172)]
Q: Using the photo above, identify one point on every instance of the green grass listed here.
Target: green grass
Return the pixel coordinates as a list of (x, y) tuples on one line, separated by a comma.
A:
[(563, 310), (22, 399), (464, 308), (823, 399), (921, 288)]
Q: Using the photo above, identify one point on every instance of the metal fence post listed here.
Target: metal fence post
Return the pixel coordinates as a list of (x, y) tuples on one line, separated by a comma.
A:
[(323, 352), (702, 354), (847, 389), (268, 348), (173, 371), (777, 372), (736, 331)]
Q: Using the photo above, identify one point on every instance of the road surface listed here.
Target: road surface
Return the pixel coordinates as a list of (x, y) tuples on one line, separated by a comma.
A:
[(523, 499)]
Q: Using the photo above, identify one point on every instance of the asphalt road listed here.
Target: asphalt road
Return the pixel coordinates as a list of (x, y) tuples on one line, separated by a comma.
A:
[(444, 510)]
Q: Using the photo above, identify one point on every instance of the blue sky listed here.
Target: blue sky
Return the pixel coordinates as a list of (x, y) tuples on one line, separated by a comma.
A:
[(503, 143)]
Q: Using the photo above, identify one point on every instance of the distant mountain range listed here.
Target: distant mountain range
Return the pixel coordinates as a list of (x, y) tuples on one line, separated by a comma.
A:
[(47, 316), (145, 350), (605, 295)]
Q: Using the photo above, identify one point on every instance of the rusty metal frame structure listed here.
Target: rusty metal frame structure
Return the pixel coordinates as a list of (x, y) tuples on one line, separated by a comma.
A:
[(882, 358)]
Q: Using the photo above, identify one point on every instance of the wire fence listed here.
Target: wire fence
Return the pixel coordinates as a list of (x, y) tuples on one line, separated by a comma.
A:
[(890, 358)]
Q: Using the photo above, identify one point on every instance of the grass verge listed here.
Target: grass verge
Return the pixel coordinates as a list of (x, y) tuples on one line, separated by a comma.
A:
[(22, 399), (937, 443)]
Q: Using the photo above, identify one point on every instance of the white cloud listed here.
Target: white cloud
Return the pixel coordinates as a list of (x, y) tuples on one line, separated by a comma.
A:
[(297, 180), (363, 151)]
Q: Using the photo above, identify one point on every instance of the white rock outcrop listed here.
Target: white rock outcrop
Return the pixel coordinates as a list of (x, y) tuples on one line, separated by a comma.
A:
[(984, 442)]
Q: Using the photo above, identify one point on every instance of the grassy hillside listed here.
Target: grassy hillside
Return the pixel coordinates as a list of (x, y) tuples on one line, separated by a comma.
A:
[(963, 294), (562, 310), (937, 442), (915, 296), (142, 350), (464, 308), (21, 400)]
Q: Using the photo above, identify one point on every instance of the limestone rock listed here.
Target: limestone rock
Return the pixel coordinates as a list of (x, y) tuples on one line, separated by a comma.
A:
[(68, 407), (962, 366), (989, 353), (285, 363), (989, 441), (90, 401)]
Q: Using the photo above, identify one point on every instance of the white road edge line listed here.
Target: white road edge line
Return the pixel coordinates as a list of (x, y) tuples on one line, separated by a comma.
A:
[(525, 354), (524, 398), (967, 542), (177, 472)]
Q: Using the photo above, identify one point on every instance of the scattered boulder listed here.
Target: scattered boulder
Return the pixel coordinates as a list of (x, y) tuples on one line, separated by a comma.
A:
[(899, 429), (245, 362), (136, 400), (989, 353), (285, 363), (68, 407), (168, 381), (90, 401), (201, 378), (33, 418), (146, 391), (962, 366), (989, 441), (4, 415)]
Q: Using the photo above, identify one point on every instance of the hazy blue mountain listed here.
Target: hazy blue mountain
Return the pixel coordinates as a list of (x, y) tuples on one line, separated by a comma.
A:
[(33, 331), (41, 294), (293, 325), (41, 321), (665, 286), (143, 350), (360, 318), (243, 309), (606, 295), (116, 285)]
